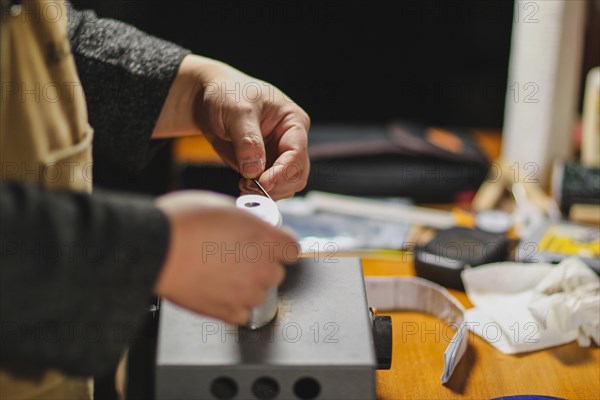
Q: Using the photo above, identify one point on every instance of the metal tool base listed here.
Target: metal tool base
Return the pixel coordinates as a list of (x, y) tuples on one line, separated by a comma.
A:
[(319, 346)]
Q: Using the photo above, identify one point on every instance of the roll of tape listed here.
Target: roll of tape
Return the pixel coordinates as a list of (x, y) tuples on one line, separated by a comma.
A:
[(265, 209), (261, 206)]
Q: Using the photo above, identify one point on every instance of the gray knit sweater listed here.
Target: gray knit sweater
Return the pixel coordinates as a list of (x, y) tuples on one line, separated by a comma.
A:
[(77, 270)]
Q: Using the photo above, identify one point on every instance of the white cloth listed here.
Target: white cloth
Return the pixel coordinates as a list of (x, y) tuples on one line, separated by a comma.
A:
[(527, 307)]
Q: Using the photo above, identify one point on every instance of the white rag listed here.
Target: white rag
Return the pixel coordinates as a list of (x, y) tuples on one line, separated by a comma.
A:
[(526, 307)]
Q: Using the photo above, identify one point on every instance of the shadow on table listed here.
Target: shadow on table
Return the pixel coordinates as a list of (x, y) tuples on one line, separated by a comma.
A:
[(458, 380)]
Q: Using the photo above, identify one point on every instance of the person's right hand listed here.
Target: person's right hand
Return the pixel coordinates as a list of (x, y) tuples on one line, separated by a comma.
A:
[(221, 260)]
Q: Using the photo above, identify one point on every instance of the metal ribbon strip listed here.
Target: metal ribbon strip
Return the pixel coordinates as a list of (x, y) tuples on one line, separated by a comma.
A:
[(416, 294)]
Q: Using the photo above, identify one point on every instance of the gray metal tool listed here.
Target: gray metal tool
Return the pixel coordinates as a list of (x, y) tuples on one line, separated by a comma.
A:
[(321, 344)]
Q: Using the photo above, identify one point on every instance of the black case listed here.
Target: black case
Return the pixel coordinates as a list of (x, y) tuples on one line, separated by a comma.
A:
[(397, 160)]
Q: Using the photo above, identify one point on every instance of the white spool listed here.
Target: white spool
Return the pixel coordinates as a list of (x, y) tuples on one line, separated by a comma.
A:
[(265, 209), (261, 206)]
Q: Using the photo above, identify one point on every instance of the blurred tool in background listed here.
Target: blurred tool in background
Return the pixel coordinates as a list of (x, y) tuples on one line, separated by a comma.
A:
[(576, 185), (541, 98)]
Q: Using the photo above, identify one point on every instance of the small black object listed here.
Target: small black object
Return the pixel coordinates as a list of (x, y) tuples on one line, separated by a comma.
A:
[(444, 257), (382, 338), (577, 184)]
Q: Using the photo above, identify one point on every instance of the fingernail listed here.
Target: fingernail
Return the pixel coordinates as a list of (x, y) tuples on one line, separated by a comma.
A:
[(250, 187), (251, 168), (269, 186)]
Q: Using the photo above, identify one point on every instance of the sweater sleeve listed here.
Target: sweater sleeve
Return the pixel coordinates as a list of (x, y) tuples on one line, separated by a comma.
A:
[(76, 275), (126, 75)]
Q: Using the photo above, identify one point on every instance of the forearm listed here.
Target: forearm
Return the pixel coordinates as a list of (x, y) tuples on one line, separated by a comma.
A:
[(126, 75), (76, 275), (177, 113)]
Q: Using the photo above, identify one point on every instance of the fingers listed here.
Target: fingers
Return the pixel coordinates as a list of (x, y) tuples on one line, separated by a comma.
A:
[(250, 296), (237, 316), (287, 249), (240, 258), (234, 315), (271, 276), (287, 176), (276, 134), (289, 173), (289, 142), (249, 148), (240, 317)]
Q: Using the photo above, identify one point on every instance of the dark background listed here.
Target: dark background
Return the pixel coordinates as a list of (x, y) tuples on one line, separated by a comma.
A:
[(440, 62)]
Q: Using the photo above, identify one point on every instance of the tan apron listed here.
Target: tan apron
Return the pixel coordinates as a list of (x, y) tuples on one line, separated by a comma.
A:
[(45, 139)]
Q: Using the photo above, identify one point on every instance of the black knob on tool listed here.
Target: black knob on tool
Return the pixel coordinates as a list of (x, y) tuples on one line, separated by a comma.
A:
[(382, 338)]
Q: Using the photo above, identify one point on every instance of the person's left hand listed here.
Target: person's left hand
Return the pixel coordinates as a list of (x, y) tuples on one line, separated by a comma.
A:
[(251, 124)]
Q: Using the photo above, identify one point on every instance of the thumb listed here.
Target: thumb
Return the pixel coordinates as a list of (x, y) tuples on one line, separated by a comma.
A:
[(248, 144)]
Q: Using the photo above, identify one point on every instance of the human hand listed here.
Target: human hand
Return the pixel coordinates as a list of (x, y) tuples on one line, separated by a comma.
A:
[(251, 124), (221, 260)]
